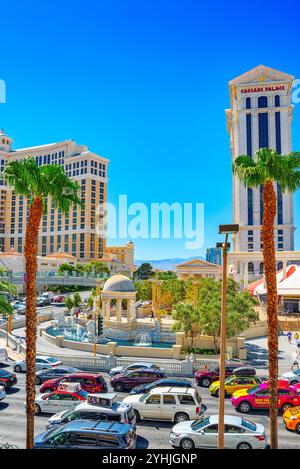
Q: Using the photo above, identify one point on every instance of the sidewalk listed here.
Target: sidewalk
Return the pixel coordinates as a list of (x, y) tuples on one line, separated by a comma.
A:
[(14, 356)]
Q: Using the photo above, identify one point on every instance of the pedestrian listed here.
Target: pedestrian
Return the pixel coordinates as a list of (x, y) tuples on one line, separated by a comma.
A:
[(289, 336), (152, 315), (295, 361)]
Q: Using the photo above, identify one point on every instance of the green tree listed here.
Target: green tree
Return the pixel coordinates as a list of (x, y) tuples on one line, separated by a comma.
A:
[(37, 183), (144, 271), (172, 292), (167, 275), (77, 300), (186, 319), (144, 290), (100, 267), (66, 268), (264, 170), (240, 310), (69, 303)]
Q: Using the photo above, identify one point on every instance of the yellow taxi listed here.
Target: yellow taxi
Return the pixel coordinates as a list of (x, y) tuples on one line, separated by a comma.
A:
[(233, 384), (291, 418)]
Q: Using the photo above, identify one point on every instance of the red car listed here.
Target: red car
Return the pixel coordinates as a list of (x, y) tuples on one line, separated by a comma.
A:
[(7, 379), (90, 382), (206, 376), (258, 397)]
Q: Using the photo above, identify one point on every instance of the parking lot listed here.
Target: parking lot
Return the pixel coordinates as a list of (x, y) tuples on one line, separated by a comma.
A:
[(150, 434)]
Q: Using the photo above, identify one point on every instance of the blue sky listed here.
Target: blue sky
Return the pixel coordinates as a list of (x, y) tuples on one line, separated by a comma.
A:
[(145, 85)]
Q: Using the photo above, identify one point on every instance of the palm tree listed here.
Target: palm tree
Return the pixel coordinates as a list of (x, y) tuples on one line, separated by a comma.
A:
[(37, 183), (267, 168)]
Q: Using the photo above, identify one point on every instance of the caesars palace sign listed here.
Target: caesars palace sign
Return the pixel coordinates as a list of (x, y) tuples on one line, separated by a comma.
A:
[(263, 89)]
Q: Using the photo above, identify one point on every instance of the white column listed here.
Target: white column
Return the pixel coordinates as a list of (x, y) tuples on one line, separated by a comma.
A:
[(245, 275), (284, 262), (132, 310), (119, 310)]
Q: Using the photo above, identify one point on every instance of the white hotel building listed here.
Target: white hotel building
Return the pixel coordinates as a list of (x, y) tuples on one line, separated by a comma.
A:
[(260, 116)]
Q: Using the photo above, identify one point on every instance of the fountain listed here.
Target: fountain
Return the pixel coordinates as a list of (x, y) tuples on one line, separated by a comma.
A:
[(143, 339)]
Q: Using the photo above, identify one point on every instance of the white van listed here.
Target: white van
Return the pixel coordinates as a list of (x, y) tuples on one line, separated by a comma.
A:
[(167, 403), (104, 407)]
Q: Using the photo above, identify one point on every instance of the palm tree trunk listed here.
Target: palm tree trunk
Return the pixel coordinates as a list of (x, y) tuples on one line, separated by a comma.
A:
[(269, 205), (31, 247)]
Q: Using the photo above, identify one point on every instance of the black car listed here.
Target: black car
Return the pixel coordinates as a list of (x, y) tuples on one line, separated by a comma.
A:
[(177, 382), (53, 373), (7, 379)]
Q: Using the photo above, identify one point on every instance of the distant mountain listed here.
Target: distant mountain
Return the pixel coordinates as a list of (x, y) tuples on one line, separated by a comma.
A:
[(165, 264)]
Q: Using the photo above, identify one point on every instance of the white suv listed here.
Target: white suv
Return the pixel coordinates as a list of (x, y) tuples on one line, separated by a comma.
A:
[(167, 403)]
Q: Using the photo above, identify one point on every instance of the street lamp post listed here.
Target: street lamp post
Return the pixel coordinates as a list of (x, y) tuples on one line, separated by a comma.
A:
[(227, 230)]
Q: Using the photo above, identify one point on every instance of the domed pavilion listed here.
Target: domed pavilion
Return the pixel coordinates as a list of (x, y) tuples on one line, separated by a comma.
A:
[(119, 288)]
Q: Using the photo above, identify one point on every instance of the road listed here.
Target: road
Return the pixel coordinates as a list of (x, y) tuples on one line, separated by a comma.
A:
[(152, 435)]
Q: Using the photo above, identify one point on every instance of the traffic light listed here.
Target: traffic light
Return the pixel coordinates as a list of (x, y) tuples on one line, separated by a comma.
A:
[(100, 325)]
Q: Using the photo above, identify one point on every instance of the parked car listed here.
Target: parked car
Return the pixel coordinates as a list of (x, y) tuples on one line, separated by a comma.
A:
[(66, 397), (87, 434), (3, 355), (90, 382), (293, 377), (177, 382), (53, 373), (2, 393), (21, 308), (234, 383), (16, 303), (58, 299), (133, 367), (291, 418), (167, 403), (259, 398), (42, 301), (7, 378), (127, 381), (41, 363), (206, 376), (239, 433), (104, 407)]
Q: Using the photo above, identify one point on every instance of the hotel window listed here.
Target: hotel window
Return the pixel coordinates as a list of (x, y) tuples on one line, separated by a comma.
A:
[(66, 243), (92, 246), (58, 242), (278, 132), (12, 242), (250, 206), (280, 246), (279, 205), (250, 267), (261, 268), (20, 244), (280, 265), (262, 101), (277, 101), (74, 245), (100, 250), (51, 244), (263, 130), (248, 103), (249, 134), (250, 236), (81, 245), (44, 246)]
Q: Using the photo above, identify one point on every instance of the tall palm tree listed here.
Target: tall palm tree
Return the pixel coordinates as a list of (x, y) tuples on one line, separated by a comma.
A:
[(37, 183), (267, 168)]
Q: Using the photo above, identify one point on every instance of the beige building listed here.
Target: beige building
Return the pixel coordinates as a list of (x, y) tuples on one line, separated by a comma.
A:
[(75, 233), (197, 268)]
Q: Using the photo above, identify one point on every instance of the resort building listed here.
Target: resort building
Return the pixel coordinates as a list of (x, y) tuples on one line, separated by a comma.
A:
[(76, 232), (260, 117)]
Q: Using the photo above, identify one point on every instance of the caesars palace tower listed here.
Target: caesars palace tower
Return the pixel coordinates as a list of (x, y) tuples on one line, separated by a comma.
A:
[(260, 116)]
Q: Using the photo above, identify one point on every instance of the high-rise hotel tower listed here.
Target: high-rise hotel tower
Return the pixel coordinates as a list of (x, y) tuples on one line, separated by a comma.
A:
[(75, 233), (260, 117)]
